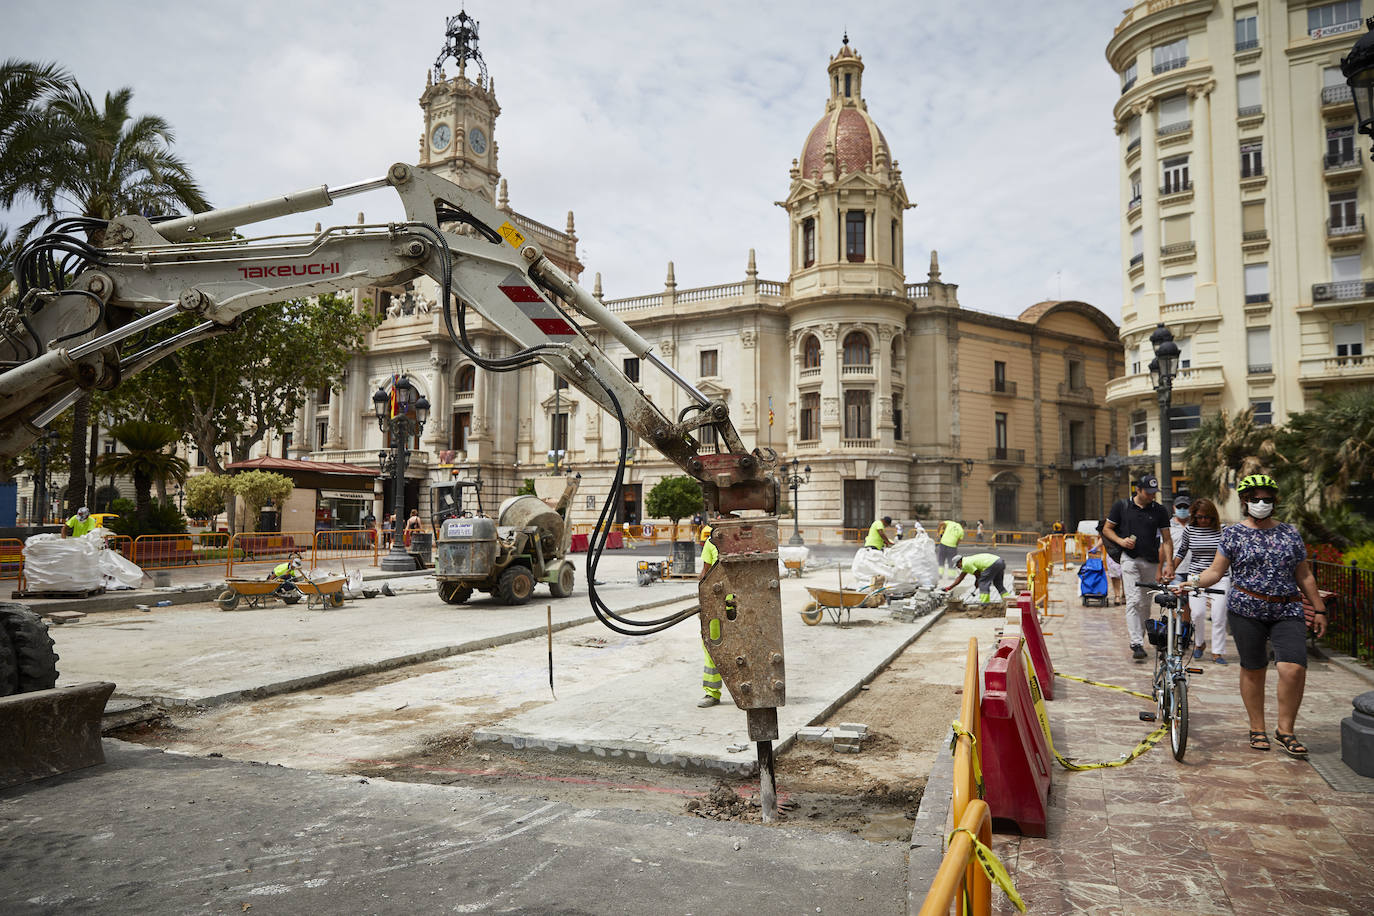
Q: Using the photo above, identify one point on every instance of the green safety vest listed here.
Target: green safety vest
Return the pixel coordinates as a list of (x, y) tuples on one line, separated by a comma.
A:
[(978, 562), (709, 554), (80, 526), (954, 533), (875, 536)]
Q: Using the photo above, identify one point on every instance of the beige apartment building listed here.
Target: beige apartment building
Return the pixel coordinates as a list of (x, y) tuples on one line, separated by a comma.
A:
[(892, 393), (1243, 203)]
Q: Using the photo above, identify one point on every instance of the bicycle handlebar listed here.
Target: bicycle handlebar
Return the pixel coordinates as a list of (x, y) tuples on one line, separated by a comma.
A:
[(1169, 588)]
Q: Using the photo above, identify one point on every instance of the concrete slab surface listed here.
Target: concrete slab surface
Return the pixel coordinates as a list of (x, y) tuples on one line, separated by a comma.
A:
[(152, 833)]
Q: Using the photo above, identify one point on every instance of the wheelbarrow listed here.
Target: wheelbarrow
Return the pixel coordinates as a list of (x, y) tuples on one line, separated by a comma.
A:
[(834, 601), (323, 593), (793, 567)]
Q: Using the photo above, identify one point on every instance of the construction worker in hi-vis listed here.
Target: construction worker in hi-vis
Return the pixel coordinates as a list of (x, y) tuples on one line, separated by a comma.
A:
[(711, 681)]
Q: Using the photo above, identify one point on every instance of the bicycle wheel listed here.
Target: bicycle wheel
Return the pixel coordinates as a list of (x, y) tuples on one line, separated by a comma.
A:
[(1178, 724)]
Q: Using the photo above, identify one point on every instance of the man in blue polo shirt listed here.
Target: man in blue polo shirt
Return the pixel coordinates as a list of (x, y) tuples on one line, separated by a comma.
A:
[(1140, 527)]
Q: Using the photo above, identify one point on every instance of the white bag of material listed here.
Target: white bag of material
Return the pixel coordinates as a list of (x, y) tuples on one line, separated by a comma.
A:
[(869, 562), (116, 571), (792, 555), (913, 562), (56, 564)]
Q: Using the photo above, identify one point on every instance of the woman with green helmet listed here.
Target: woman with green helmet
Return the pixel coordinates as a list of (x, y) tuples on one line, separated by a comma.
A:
[(1270, 575)]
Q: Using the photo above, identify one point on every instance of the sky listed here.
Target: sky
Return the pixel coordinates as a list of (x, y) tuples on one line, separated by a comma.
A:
[(668, 129)]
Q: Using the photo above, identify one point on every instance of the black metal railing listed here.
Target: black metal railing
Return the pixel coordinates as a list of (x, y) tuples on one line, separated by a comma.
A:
[(1254, 235), (1132, 145), (1247, 44), (996, 453), (1350, 623), (1126, 86), (1345, 226), (1175, 187), (1135, 202), (1254, 298), (1341, 290), (1345, 160), (1260, 369), (1136, 259), (1175, 128), (1177, 248), (1247, 171), (1165, 66), (1249, 111)]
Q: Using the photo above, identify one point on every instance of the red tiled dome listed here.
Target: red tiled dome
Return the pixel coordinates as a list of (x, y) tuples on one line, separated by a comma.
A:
[(855, 136)]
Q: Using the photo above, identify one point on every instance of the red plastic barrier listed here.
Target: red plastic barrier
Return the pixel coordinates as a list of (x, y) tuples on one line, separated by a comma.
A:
[(1035, 644), (614, 540), (1016, 758), (579, 544)]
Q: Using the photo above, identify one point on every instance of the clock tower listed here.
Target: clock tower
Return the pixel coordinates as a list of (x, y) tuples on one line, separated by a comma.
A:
[(460, 114)]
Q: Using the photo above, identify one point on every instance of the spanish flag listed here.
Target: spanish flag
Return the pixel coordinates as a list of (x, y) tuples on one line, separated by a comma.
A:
[(393, 397), (770, 411)]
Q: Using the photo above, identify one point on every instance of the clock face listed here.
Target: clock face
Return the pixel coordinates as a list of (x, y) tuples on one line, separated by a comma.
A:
[(441, 136), (477, 140)]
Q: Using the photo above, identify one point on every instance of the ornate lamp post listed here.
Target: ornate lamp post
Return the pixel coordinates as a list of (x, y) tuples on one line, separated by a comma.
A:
[(1358, 68), (794, 483), (1162, 370), (394, 415), (42, 488)]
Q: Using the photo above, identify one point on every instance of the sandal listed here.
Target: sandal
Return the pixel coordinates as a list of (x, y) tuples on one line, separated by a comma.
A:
[(1259, 740), (1291, 745)]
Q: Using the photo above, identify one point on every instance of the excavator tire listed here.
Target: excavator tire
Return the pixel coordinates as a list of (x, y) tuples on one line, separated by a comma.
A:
[(31, 648), (454, 592), (567, 579), (516, 585), (9, 667)]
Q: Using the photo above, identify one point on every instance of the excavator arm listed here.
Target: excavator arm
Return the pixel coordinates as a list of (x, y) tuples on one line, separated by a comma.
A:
[(79, 306)]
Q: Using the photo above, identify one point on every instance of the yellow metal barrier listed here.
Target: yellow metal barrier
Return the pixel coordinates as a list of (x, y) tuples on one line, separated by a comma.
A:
[(355, 545), (1038, 575), (958, 870), (11, 559), (256, 548)]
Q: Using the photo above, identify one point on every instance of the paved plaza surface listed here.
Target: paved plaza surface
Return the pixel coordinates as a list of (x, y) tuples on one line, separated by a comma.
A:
[(1228, 830)]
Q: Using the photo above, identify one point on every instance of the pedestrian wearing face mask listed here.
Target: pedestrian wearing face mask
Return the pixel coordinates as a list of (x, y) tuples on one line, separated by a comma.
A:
[(1270, 575), (1182, 510)]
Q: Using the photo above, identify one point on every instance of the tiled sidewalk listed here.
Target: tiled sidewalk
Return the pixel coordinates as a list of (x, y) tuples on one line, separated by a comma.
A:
[(1228, 830)]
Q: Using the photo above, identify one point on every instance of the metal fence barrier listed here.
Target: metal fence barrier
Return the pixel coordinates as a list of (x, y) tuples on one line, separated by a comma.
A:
[(1350, 628)]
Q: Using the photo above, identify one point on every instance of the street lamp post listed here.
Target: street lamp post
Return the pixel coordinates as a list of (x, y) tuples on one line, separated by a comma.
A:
[(1358, 69), (394, 415), (794, 483), (41, 487), (1162, 369)]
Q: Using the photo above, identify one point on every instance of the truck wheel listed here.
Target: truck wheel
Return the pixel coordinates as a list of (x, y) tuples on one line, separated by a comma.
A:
[(228, 600), (9, 668), (455, 592), (516, 585), (32, 648), (567, 578)]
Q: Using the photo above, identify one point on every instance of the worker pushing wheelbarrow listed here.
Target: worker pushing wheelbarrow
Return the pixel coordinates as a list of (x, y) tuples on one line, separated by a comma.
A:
[(837, 601), (288, 583)]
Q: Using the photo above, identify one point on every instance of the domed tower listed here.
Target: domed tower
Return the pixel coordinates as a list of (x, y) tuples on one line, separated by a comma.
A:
[(460, 115), (846, 199)]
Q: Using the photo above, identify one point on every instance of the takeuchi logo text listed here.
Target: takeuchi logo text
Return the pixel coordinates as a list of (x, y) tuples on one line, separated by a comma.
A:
[(290, 270)]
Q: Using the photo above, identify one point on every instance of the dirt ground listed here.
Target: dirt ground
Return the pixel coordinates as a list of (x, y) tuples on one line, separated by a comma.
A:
[(874, 793)]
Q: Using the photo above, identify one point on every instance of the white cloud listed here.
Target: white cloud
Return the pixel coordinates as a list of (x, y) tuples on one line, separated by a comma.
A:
[(669, 130)]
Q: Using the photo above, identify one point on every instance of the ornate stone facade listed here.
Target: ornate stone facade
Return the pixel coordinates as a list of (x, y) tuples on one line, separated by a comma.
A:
[(884, 388)]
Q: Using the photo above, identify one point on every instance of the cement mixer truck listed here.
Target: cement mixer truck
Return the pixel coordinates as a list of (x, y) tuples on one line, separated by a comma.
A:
[(526, 544)]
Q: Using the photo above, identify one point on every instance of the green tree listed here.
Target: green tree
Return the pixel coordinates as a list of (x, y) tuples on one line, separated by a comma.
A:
[(674, 498), (28, 134), (74, 158), (255, 488), (236, 388), (146, 460), (205, 496)]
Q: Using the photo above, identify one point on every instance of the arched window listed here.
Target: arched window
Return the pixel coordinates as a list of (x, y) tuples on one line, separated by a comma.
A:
[(808, 242), (467, 378), (811, 352), (896, 350), (856, 351)]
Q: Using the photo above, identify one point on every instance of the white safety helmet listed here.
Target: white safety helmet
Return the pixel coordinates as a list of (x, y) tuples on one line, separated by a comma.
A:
[(296, 563), (957, 562)]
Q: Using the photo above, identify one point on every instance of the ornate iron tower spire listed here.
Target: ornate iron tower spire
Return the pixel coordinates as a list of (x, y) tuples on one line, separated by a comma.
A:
[(460, 33)]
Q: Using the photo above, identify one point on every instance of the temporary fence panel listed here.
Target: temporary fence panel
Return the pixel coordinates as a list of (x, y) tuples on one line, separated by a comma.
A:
[(356, 546), (11, 558), (1350, 624), (259, 549)]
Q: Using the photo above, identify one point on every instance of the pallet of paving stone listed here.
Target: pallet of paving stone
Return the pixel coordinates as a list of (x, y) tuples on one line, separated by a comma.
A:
[(58, 593)]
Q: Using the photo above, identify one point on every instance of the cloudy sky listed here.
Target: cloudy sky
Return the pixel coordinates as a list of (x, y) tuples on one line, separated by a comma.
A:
[(668, 129)]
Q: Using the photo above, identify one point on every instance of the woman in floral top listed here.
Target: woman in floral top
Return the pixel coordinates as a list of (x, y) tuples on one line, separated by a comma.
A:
[(1270, 575)]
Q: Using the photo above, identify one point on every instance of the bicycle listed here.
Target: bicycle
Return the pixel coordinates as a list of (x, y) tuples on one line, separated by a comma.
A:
[(1172, 638)]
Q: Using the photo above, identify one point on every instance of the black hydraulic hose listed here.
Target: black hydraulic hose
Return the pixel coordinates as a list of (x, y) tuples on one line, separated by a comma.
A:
[(99, 315)]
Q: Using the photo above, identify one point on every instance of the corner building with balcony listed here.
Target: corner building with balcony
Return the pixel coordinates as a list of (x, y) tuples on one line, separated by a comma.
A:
[(893, 394), (1243, 197)]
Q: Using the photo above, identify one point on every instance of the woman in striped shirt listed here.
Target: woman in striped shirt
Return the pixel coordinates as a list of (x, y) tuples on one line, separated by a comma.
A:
[(1201, 536)]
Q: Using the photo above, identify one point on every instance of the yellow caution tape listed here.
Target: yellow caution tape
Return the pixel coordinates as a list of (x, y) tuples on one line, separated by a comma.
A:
[(1083, 680), (973, 745), (992, 867), (1145, 744)]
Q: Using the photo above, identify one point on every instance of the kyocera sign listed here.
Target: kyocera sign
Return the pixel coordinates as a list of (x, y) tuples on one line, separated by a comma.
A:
[(290, 270)]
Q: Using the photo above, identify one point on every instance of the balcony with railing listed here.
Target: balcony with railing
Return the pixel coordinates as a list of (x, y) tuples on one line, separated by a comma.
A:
[(1249, 111), (463, 397), (1337, 96), (1335, 165), (1259, 369), (1178, 250), (1247, 44), (1177, 309), (1132, 145), (1002, 387), (918, 290), (1177, 127), (1178, 63), (1133, 205), (1175, 189), (1342, 291), (998, 453), (1200, 378), (849, 369), (1345, 230), (1337, 368), (1256, 298), (859, 443), (1254, 235), (1137, 259), (809, 372), (1128, 85)]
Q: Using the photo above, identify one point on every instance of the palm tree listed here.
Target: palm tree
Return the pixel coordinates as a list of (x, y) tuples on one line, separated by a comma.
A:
[(1222, 448), (27, 135), (100, 162), (145, 461)]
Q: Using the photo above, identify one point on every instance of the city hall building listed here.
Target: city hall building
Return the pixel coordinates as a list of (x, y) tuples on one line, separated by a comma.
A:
[(899, 400)]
